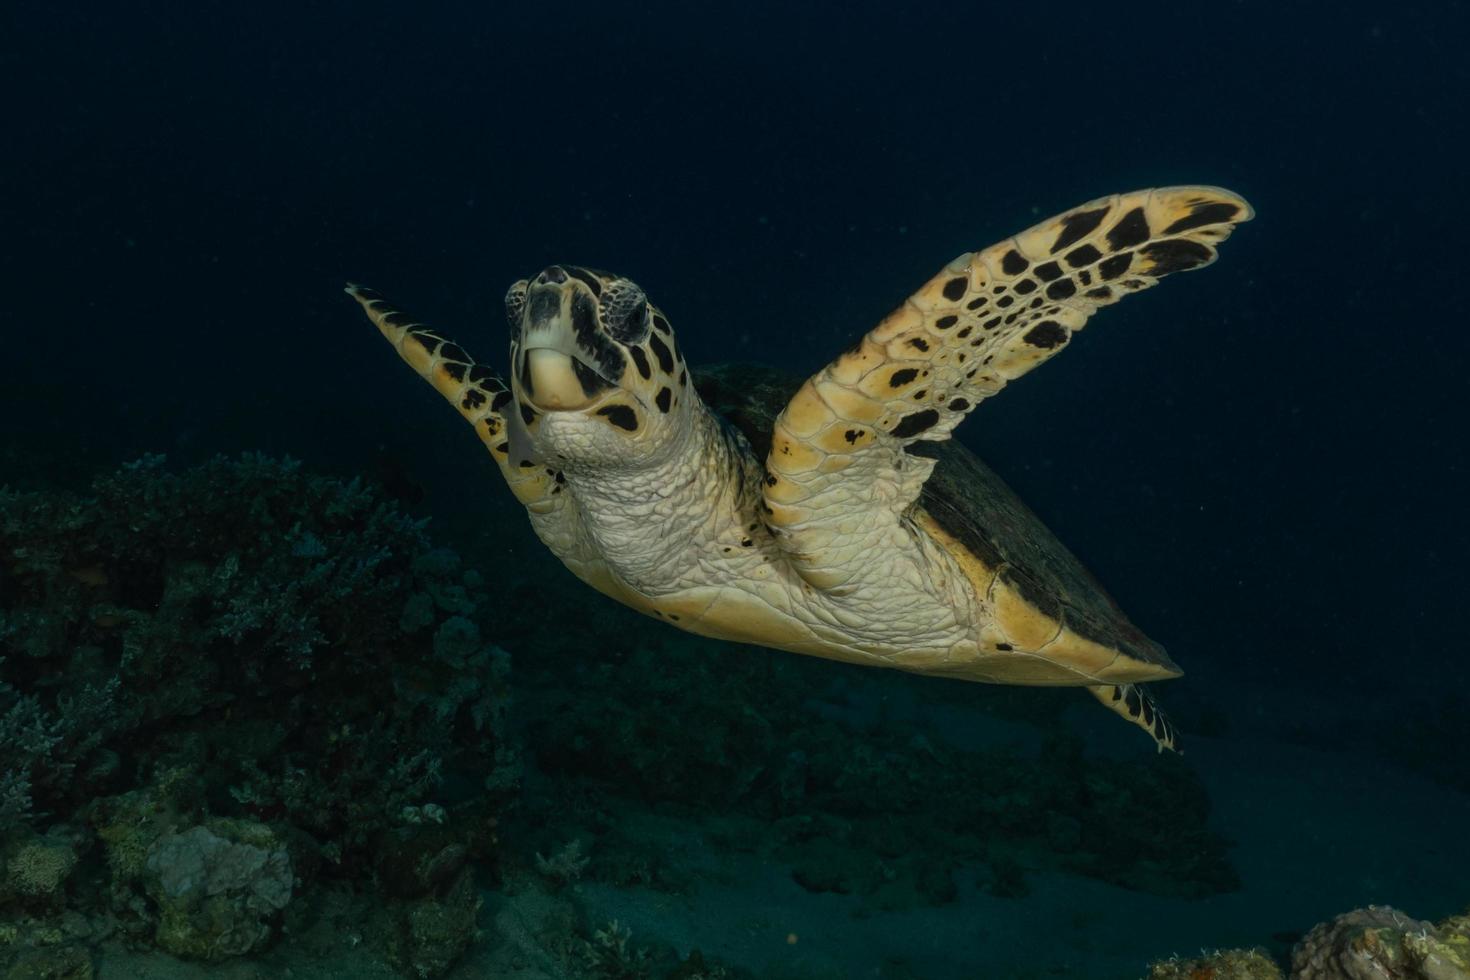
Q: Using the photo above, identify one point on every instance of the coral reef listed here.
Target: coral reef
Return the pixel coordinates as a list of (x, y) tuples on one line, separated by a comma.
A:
[(854, 812), (34, 870), (236, 681), (1375, 943), (216, 887), (1381, 943), (427, 935), (1230, 964)]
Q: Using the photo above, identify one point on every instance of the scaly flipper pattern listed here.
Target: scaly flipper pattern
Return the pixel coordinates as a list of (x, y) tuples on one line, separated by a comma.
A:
[(472, 388), (843, 454), (1133, 702)]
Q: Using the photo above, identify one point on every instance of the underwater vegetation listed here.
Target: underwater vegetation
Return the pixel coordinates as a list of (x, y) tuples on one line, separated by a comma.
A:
[(222, 687), (247, 711), (1375, 943)]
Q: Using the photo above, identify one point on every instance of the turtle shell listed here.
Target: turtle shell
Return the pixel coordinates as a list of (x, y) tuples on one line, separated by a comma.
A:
[(973, 505)]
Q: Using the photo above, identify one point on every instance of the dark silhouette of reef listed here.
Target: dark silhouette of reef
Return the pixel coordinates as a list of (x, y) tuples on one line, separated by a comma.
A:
[(228, 686), (250, 711)]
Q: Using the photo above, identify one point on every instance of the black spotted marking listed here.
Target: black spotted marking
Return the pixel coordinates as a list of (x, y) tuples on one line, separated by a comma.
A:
[(1047, 271), (964, 332), (1047, 335), (1083, 255), (919, 344), (621, 416), (498, 402), (662, 352), (503, 447), (1148, 711), (1114, 266), (1005, 301), (473, 399), (746, 543), (1131, 229), (1117, 693), (661, 324), (664, 399), (590, 338), (770, 481), (1084, 277), (1025, 286), (977, 302), (683, 378), (1061, 289), (590, 381), (397, 319), (852, 436), (1004, 647), (1078, 226), (1134, 702), (455, 369), (585, 278), (544, 306), (1175, 255), (1210, 213), (958, 405), (1013, 263), (945, 322), (915, 423), (991, 324), (920, 395), (902, 377), (1101, 292), (956, 288), (528, 414), (640, 361)]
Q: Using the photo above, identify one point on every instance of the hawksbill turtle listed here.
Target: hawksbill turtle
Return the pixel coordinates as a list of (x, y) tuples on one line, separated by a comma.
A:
[(830, 517)]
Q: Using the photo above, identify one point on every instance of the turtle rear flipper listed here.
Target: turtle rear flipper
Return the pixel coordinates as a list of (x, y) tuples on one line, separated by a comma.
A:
[(1133, 703), (845, 453)]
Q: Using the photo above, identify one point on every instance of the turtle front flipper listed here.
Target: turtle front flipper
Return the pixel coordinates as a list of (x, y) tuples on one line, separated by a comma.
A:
[(1134, 704), (475, 390), (844, 460)]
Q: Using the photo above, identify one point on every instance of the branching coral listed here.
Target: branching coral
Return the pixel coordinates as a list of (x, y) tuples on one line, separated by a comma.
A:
[(293, 644)]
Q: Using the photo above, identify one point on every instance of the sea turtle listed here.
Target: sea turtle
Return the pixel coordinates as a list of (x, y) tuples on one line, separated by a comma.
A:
[(840, 527)]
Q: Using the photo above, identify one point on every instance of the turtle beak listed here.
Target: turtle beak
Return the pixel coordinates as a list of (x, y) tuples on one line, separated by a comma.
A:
[(555, 381), (555, 373)]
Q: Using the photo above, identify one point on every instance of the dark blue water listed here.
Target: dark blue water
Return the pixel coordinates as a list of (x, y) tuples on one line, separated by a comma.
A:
[(1266, 462)]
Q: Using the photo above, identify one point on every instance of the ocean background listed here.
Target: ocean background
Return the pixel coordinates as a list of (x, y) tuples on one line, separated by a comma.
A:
[(1266, 462)]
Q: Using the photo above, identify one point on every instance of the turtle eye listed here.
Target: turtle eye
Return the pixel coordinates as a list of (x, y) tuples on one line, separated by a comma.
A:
[(515, 305), (630, 328)]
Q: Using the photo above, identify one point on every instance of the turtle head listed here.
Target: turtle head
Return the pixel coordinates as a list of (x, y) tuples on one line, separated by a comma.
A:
[(594, 368)]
